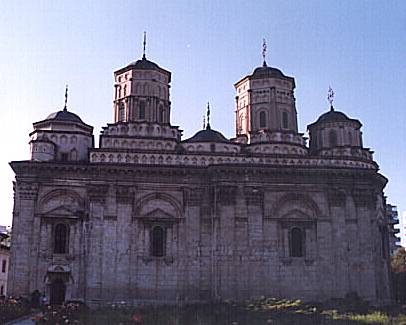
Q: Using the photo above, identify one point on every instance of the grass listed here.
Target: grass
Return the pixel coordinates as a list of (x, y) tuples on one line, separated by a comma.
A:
[(262, 311)]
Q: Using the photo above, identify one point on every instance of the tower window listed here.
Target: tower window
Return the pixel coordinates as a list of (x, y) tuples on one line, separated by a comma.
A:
[(296, 242), (60, 239), (332, 138), (158, 241), (142, 111), (121, 112), (285, 120), (125, 90), (262, 119), (161, 114), (4, 266)]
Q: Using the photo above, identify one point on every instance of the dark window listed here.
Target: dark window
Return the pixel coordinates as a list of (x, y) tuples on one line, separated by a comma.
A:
[(349, 138), (332, 138), (60, 239), (64, 156), (125, 90), (142, 110), (121, 112), (2, 290), (285, 120), (4, 266), (161, 114), (296, 242), (262, 120), (158, 241)]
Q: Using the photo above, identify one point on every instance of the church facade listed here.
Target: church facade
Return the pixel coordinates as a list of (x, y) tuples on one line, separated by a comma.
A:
[(150, 217)]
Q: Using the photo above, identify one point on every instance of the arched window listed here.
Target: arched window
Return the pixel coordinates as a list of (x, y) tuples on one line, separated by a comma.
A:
[(121, 112), (262, 119), (332, 137), (161, 114), (61, 239), (349, 138), (142, 110), (158, 241), (125, 90), (296, 242), (285, 120)]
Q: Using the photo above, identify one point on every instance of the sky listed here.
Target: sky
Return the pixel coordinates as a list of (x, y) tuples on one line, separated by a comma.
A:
[(356, 47)]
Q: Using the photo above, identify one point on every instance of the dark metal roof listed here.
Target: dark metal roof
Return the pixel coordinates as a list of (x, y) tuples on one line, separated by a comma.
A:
[(333, 116), (64, 115), (208, 135), (144, 64), (265, 72)]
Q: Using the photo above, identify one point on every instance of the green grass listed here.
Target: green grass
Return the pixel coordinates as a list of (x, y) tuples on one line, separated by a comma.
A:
[(262, 311)]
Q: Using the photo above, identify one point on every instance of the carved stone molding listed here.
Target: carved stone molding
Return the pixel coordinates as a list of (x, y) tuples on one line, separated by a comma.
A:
[(27, 191)]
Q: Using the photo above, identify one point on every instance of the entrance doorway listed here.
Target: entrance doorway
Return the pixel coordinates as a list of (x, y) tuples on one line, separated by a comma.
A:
[(58, 290)]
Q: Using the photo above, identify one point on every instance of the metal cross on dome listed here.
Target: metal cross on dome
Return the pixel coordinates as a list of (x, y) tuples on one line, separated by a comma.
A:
[(66, 99), (330, 97), (264, 48)]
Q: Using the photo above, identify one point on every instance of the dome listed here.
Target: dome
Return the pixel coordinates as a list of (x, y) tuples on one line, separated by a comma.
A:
[(208, 135), (64, 115), (144, 64), (265, 71), (333, 116)]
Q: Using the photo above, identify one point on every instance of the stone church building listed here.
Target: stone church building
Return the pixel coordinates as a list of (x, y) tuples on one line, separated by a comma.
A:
[(148, 216)]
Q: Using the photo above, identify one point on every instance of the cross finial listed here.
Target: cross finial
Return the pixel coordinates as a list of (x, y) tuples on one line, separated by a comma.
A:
[(144, 43), (330, 97), (264, 48), (66, 99), (208, 116)]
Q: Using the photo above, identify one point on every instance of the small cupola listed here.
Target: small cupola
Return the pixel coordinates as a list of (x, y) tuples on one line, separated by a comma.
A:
[(334, 129), (62, 136)]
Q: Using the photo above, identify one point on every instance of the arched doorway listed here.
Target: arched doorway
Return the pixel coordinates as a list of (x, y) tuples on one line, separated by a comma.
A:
[(58, 291)]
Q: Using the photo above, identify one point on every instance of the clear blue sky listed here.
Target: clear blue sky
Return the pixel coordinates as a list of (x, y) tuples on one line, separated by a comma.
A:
[(357, 47)]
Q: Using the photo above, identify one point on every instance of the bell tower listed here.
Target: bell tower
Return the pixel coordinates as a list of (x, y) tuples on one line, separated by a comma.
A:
[(265, 102), (142, 92)]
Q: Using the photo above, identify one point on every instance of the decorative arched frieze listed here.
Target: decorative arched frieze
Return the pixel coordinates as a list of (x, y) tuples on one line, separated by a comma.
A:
[(62, 202), (154, 205), (295, 205)]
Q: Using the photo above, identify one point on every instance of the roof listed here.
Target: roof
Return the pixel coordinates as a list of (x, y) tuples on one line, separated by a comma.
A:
[(144, 64), (208, 135), (333, 116), (267, 72), (64, 115)]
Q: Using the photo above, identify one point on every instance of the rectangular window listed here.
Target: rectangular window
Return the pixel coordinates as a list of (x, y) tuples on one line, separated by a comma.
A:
[(3, 266)]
